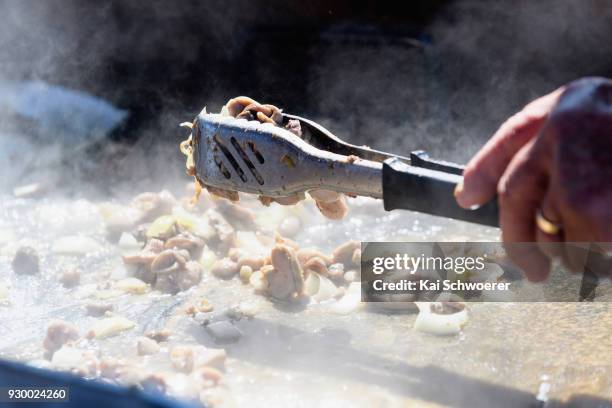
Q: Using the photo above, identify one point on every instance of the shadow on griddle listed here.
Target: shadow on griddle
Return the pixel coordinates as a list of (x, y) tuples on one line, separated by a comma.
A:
[(329, 352)]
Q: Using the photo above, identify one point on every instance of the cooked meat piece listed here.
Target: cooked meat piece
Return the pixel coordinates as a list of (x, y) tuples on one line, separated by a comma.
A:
[(344, 253), (230, 195), (335, 210), (59, 332), (141, 262), (224, 268), (305, 254), (26, 261), (70, 277), (206, 377), (187, 358), (294, 127), (178, 277), (158, 335), (286, 279), (254, 262), (98, 309), (324, 196), (226, 234), (190, 276), (265, 201), (330, 203), (169, 259), (236, 105), (146, 346), (317, 265), (235, 254), (153, 205), (290, 200), (186, 240), (286, 241)]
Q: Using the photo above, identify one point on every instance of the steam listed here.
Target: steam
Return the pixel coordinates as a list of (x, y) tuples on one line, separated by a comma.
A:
[(483, 62), (445, 90)]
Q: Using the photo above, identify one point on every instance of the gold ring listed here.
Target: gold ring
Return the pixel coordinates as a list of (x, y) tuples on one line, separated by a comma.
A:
[(545, 225)]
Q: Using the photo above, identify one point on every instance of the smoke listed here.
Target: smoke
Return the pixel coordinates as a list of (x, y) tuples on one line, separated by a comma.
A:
[(439, 76), (479, 63)]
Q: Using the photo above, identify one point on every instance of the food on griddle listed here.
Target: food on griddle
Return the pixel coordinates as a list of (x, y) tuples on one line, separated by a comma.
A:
[(132, 285), (159, 335), (441, 318), (172, 248), (330, 203), (187, 358), (25, 261), (70, 277), (110, 326), (285, 280), (348, 253), (146, 346), (98, 308), (225, 268), (59, 333)]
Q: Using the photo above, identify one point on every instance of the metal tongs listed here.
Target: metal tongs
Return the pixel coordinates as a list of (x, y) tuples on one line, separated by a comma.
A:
[(264, 159)]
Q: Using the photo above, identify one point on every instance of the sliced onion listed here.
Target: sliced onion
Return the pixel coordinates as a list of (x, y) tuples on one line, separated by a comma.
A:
[(311, 284), (256, 280), (439, 324), (327, 290)]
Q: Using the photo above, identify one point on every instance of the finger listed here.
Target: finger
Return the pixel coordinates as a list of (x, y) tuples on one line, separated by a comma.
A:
[(521, 191), (483, 172), (550, 244)]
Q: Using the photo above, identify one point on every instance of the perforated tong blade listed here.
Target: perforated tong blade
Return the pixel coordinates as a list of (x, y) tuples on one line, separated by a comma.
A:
[(269, 160)]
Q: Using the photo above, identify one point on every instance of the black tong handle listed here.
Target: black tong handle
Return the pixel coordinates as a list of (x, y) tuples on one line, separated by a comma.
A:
[(428, 186)]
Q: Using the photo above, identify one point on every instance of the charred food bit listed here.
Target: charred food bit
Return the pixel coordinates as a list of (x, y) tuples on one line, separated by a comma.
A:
[(98, 309), (26, 261), (59, 332)]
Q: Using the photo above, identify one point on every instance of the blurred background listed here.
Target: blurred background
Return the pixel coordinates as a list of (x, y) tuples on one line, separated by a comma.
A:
[(438, 75)]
